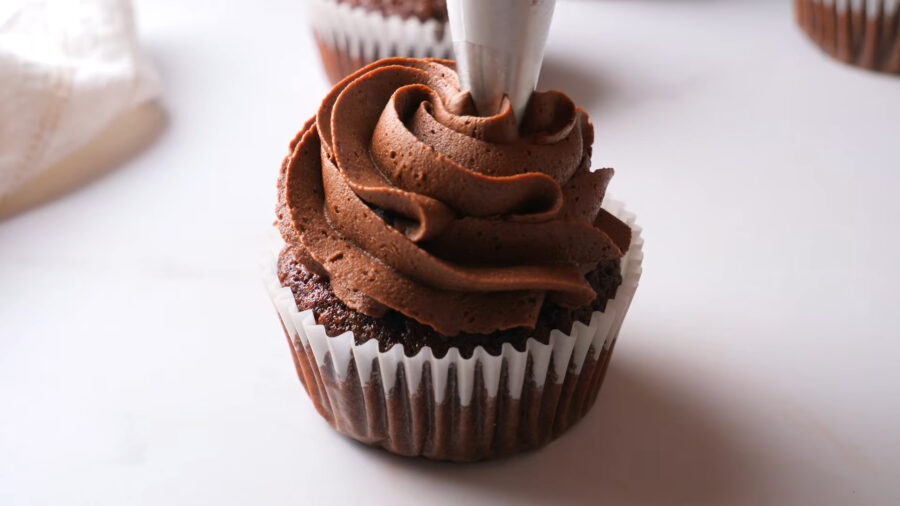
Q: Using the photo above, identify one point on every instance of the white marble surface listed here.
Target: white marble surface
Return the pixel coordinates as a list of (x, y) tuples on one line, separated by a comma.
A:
[(141, 363)]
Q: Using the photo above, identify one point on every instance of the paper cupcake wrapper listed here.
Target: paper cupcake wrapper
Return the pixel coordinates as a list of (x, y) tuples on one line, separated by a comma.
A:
[(350, 38), (860, 32), (455, 408)]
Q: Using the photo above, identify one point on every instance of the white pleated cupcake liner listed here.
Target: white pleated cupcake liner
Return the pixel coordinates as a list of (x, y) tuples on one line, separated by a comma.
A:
[(372, 35), (565, 353)]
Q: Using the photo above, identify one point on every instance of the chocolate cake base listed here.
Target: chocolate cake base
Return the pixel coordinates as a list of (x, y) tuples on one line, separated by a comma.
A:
[(413, 424), (443, 427), (314, 292), (338, 63), (866, 35), (373, 37)]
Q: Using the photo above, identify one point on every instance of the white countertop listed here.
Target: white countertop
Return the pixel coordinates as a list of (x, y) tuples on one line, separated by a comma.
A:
[(142, 363)]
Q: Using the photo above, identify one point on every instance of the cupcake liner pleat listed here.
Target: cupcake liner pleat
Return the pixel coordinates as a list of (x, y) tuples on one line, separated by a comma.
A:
[(415, 424), (350, 38), (858, 32), (452, 407)]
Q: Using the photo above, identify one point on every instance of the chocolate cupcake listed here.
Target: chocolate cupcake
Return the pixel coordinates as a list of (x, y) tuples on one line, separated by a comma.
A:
[(865, 33), (451, 286), (353, 33)]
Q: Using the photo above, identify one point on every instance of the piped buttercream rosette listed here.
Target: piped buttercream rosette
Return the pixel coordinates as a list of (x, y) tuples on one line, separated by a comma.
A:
[(406, 200)]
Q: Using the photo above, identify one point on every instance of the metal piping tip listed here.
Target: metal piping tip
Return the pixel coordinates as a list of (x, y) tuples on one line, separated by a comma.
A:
[(499, 47)]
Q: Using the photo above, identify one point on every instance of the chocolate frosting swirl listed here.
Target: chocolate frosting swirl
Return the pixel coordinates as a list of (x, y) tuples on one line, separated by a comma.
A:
[(406, 200)]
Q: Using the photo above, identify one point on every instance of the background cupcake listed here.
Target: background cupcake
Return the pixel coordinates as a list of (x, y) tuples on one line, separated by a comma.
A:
[(452, 286), (865, 33), (353, 33)]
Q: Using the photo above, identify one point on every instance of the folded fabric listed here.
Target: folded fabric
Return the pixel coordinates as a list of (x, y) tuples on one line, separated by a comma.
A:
[(67, 68)]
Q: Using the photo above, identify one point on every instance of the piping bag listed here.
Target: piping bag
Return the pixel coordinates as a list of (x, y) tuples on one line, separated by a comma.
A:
[(499, 46)]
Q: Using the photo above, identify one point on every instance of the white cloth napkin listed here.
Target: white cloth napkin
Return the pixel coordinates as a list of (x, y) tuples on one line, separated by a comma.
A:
[(67, 68)]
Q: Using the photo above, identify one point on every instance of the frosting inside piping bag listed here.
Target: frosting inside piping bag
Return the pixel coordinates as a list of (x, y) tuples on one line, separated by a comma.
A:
[(407, 201)]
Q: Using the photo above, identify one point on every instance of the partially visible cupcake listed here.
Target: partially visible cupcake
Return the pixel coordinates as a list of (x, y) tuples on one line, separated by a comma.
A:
[(353, 33), (452, 286), (865, 33)]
